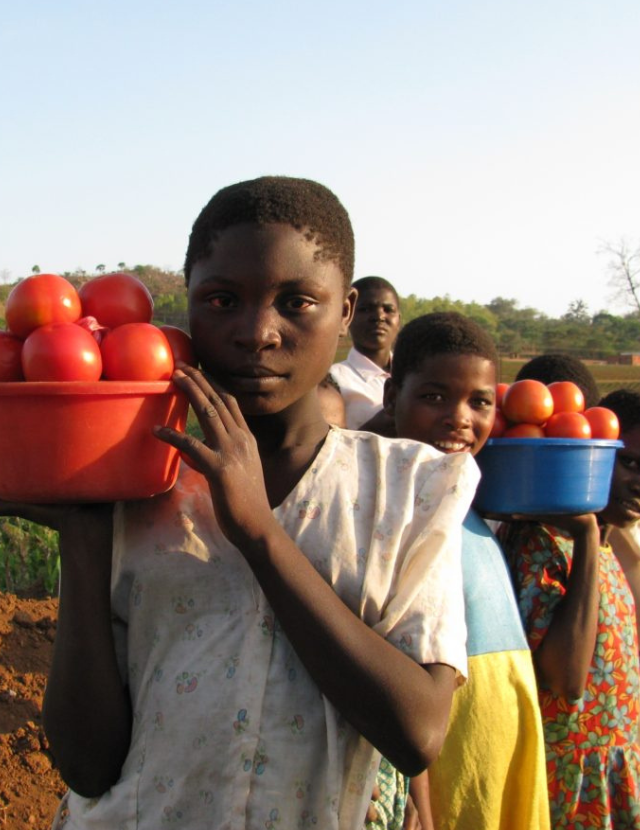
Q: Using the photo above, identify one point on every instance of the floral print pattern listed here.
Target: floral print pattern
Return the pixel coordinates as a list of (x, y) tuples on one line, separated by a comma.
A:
[(593, 759), (229, 729)]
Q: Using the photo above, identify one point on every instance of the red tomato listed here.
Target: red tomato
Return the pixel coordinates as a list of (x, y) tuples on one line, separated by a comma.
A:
[(181, 345), (524, 431), (501, 388), (499, 425), (40, 300), (604, 422), (136, 351), (61, 351), (116, 299), (567, 396), (10, 354), (567, 425), (527, 402)]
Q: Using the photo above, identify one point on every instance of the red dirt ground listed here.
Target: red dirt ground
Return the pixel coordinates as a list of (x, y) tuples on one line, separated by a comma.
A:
[(30, 787)]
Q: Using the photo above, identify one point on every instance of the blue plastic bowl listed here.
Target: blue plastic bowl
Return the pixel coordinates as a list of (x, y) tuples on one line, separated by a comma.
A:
[(545, 475)]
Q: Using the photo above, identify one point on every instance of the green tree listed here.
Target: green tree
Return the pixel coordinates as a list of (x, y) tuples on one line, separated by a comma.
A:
[(35, 269)]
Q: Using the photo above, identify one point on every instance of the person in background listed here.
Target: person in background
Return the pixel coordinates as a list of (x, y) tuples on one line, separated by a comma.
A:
[(625, 541), (490, 774), (374, 328), (548, 368), (250, 641), (579, 615)]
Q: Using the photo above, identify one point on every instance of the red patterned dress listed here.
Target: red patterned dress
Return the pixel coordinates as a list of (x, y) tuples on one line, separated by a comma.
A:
[(593, 756)]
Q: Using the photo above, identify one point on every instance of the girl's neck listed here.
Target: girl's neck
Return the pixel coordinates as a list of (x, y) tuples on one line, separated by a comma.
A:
[(287, 445), (605, 530)]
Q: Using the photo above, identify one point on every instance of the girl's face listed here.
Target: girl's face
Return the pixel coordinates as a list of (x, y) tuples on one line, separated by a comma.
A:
[(449, 402), (624, 497), (376, 320), (265, 315)]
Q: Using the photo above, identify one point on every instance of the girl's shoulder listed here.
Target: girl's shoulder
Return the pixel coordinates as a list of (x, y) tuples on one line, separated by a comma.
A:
[(390, 459)]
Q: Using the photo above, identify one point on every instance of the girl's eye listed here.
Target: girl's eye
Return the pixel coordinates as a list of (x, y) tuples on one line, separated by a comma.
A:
[(221, 300), (628, 462), (482, 403), (432, 397), (298, 303)]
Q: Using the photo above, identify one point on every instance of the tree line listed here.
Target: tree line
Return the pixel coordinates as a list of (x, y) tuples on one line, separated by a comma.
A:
[(518, 332)]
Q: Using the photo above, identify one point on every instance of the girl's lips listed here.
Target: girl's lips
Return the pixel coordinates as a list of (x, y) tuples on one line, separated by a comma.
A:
[(452, 446), (630, 506), (255, 383)]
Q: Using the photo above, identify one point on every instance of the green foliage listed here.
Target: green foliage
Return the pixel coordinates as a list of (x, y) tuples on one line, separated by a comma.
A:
[(29, 558)]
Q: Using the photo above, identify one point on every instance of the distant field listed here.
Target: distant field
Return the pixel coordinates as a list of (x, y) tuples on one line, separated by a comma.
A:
[(608, 377)]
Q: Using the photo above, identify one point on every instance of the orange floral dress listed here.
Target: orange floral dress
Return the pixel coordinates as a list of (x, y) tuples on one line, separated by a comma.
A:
[(593, 756)]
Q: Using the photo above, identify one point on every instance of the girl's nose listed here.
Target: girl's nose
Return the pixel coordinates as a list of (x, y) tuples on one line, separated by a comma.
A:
[(458, 416), (258, 330)]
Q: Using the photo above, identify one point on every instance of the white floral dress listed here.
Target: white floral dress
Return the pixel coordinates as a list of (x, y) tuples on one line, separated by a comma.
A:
[(229, 730)]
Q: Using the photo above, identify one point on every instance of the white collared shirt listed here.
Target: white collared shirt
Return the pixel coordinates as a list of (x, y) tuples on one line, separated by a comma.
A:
[(361, 383)]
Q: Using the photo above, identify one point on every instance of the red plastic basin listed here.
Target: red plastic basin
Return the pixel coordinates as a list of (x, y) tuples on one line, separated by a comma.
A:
[(77, 442)]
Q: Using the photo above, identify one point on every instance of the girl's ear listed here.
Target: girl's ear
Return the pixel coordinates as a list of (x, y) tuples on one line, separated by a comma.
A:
[(348, 308), (389, 397)]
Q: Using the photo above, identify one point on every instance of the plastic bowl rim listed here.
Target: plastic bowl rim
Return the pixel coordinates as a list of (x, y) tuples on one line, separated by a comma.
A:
[(554, 442), (79, 388)]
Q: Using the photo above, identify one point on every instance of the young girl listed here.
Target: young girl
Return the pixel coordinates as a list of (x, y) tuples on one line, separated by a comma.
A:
[(264, 629), (579, 616), (491, 770)]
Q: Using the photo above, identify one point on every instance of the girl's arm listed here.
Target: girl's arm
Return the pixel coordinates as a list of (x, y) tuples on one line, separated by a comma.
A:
[(86, 709), (400, 707), (419, 793), (564, 656)]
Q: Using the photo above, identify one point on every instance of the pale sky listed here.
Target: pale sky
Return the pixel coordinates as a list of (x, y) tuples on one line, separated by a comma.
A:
[(481, 149)]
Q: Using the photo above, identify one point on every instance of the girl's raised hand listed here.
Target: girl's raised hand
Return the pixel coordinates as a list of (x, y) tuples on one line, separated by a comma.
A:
[(228, 457)]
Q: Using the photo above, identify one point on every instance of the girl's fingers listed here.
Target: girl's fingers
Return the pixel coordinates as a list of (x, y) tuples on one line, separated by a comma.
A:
[(211, 404)]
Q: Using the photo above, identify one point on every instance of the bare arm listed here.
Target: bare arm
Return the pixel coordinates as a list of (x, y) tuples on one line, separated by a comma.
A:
[(86, 708), (419, 795), (564, 656), (391, 700)]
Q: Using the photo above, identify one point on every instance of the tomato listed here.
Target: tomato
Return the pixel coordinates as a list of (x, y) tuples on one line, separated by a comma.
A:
[(501, 388), (524, 431), (181, 345), (136, 351), (40, 300), (567, 396), (116, 299), (567, 425), (604, 422), (499, 425), (10, 354), (527, 402), (61, 351)]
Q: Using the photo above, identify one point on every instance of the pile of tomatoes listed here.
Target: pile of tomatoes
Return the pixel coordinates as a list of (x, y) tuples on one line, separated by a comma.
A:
[(102, 331), (531, 409)]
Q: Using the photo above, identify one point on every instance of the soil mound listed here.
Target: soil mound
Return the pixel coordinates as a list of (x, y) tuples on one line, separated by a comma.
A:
[(30, 786)]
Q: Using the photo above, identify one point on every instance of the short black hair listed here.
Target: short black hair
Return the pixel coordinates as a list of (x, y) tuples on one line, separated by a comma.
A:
[(365, 283), (626, 404), (556, 366), (442, 332), (307, 206)]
